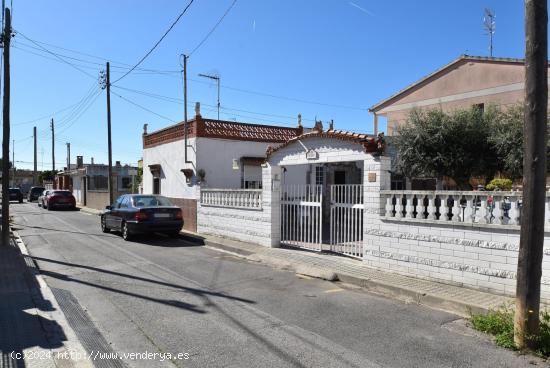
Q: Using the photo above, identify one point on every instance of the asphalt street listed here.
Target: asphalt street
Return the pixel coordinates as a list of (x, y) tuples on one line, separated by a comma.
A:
[(158, 294)]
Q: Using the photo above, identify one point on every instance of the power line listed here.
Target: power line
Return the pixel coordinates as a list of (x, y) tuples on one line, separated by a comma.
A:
[(157, 43), (143, 108), (54, 54), (213, 28)]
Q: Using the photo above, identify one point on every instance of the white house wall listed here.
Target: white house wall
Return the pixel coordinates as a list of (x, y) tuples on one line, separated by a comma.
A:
[(171, 158), (215, 157)]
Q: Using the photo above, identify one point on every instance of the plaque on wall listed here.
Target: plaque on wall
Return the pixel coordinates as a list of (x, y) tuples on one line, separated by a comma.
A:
[(372, 178), (312, 155)]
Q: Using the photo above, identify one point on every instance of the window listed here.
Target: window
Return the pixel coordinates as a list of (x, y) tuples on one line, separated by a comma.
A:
[(319, 175), (98, 182), (150, 201), (126, 182), (125, 202), (480, 107), (118, 202), (156, 185), (252, 184)]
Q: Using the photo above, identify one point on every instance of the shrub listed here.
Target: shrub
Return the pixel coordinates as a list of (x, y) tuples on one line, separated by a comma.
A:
[(502, 184), (500, 323)]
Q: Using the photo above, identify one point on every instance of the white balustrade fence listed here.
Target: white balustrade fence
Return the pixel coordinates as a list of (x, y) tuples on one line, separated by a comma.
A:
[(500, 208), (232, 198)]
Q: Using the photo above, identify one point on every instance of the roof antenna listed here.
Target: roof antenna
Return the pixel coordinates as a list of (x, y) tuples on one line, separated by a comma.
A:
[(489, 24)]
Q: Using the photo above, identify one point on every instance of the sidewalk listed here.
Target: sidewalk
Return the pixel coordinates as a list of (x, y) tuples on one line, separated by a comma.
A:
[(91, 211), (458, 300), (33, 329)]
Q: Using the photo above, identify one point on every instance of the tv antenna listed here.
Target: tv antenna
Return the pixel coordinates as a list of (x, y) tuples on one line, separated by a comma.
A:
[(489, 24)]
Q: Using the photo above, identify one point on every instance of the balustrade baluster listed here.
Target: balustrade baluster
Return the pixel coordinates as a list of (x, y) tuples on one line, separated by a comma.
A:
[(513, 212), (469, 209), (431, 207), (457, 208), (398, 206), (409, 208), (389, 205), (497, 210), (484, 214)]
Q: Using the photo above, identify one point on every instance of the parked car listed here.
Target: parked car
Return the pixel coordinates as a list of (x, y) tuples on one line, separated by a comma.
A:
[(142, 213), (41, 198), (59, 199), (34, 193), (16, 195)]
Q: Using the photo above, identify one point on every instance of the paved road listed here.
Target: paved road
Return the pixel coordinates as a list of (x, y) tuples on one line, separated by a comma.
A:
[(166, 295)]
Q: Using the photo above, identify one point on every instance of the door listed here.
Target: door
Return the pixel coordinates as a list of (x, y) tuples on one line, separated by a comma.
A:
[(111, 217)]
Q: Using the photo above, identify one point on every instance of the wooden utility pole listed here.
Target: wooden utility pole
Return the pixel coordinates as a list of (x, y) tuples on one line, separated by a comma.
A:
[(529, 272), (109, 146), (13, 163), (34, 176), (6, 131), (185, 57), (53, 146)]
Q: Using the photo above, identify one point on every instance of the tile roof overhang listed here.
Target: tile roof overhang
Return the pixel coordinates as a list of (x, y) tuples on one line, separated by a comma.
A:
[(371, 144)]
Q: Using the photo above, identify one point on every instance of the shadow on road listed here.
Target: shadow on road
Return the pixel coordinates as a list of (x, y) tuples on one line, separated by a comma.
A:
[(174, 303), (21, 330)]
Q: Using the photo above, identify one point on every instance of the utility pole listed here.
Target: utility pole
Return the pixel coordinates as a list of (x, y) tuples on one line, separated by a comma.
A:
[(184, 64), (34, 176), (105, 82), (6, 38), (53, 147), (13, 163), (68, 156), (526, 320), (217, 79)]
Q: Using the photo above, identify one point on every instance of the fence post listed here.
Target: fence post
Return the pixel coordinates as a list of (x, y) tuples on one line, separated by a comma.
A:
[(271, 201)]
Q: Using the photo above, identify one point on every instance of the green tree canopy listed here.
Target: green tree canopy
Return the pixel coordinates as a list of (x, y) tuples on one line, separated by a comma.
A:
[(434, 143)]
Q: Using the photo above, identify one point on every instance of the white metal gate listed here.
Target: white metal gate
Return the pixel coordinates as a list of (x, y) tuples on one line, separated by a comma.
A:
[(346, 219), (301, 216)]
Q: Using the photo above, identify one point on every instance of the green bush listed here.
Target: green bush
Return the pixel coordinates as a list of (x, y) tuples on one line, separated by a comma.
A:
[(500, 323), (502, 184)]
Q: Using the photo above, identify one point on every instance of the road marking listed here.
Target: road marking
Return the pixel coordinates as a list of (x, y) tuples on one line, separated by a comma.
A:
[(333, 290)]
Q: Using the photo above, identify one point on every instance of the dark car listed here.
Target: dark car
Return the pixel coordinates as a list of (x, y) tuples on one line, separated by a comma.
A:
[(142, 213), (16, 195), (59, 199), (34, 193)]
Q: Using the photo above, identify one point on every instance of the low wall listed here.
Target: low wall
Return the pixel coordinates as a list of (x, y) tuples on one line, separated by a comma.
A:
[(189, 211), (456, 250), (98, 199)]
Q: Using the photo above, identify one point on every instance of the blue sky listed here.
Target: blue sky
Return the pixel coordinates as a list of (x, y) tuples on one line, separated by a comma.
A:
[(332, 52)]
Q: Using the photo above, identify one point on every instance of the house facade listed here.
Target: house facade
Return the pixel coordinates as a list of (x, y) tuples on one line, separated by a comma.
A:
[(465, 82), (216, 154)]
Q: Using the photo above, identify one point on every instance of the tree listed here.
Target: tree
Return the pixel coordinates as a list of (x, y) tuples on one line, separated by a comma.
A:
[(435, 144), (47, 175), (507, 139)]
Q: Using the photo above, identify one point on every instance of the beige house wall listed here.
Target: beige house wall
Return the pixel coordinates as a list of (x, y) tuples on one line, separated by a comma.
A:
[(462, 84)]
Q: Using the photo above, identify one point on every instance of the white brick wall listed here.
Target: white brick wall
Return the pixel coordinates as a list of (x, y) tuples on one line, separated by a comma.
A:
[(480, 257)]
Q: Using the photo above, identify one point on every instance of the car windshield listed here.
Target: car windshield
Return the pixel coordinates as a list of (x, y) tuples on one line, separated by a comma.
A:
[(62, 193), (14, 190), (150, 201), (37, 190)]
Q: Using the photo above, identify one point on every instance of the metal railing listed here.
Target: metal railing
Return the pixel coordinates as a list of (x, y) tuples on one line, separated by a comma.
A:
[(500, 208), (232, 198)]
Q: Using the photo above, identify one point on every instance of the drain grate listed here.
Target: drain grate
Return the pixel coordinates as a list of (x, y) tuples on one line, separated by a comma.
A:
[(87, 333)]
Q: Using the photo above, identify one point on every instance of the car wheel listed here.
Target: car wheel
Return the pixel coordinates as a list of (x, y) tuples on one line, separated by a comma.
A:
[(126, 235), (20, 201), (104, 227)]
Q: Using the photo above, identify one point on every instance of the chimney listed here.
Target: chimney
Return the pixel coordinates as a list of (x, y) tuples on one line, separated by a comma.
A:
[(331, 125), (145, 128), (79, 162), (299, 120), (92, 160), (117, 163), (197, 109)]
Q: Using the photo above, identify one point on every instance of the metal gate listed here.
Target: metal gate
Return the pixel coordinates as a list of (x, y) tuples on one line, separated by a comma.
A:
[(301, 216), (346, 219)]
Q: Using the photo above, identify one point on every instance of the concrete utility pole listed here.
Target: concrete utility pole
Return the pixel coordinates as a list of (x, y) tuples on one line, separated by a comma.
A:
[(109, 146), (53, 146), (531, 243), (68, 156), (34, 174), (6, 38), (184, 64)]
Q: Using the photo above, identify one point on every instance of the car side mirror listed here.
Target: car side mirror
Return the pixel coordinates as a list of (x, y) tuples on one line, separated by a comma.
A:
[(108, 207)]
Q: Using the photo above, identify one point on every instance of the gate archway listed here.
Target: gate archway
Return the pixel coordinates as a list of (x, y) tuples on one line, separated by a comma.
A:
[(322, 176)]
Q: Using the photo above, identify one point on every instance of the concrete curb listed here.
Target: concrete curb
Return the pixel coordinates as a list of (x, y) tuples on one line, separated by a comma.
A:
[(72, 347), (91, 211), (398, 292)]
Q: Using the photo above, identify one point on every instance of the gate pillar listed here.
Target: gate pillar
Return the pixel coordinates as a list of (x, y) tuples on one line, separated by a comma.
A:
[(271, 201)]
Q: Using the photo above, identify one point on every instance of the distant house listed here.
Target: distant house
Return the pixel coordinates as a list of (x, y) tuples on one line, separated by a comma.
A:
[(220, 154), (465, 82), (89, 182)]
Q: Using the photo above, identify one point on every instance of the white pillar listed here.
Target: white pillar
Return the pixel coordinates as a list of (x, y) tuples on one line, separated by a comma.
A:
[(271, 198)]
